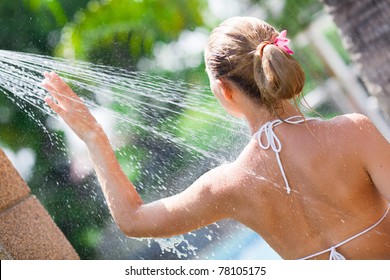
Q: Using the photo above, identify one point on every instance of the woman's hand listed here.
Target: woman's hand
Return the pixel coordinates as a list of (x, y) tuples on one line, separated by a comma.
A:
[(70, 107)]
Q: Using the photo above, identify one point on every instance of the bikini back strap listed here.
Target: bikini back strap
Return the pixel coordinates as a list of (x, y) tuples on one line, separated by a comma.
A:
[(334, 255)]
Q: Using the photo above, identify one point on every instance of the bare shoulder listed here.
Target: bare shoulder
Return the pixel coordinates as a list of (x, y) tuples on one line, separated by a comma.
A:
[(356, 132), (352, 121), (353, 128)]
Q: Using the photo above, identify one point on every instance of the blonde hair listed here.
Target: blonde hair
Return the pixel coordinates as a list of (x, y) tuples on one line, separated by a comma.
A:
[(263, 71)]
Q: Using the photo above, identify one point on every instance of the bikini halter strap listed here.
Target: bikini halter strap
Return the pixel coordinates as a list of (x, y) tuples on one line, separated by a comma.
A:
[(272, 141)]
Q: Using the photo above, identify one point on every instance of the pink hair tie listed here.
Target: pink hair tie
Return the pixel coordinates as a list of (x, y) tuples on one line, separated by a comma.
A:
[(281, 41)]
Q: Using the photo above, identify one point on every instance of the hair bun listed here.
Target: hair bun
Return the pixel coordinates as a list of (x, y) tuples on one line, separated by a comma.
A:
[(278, 75)]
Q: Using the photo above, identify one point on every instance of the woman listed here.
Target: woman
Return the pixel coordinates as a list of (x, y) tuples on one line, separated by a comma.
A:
[(311, 188)]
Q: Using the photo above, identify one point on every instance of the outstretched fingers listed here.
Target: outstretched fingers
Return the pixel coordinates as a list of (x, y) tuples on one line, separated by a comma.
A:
[(55, 84), (61, 93)]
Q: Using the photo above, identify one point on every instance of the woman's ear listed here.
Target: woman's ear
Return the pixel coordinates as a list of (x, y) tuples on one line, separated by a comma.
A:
[(226, 89)]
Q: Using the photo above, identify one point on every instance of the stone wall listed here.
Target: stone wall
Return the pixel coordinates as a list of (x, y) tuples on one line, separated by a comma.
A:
[(26, 229)]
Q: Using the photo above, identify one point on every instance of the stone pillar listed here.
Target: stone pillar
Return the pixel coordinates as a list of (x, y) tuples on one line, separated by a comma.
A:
[(26, 229)]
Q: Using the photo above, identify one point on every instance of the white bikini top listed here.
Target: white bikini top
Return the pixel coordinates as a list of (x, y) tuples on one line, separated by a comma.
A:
[(273, 142)]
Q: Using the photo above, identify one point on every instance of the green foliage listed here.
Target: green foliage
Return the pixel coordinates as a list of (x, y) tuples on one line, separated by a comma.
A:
[(295, 15), (54, 6), (34, 25), (120, 32)]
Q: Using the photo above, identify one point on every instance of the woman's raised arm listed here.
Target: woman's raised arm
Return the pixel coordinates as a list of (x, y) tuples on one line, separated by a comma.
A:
[(205, 202)]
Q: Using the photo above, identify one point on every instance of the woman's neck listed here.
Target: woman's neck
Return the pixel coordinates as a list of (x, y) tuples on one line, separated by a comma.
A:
[(259, 115)]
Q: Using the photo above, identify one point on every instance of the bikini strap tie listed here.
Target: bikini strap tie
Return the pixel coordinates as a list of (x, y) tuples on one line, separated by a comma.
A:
[(334, 255), (272, 141)]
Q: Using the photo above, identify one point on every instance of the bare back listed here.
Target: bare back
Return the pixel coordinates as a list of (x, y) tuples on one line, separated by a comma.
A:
[(333, 194)]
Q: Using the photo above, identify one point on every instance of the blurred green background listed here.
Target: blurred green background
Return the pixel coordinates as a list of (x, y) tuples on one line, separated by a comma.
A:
[(134, 35)]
